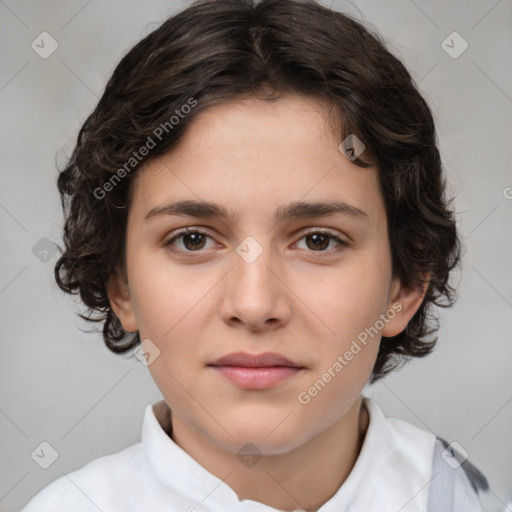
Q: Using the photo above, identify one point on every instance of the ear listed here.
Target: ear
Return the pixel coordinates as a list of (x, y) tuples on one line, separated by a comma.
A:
[(121, 302), (404, 301)]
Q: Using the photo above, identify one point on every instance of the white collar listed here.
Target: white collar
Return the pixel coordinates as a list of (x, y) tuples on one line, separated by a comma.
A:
[(177, 470)]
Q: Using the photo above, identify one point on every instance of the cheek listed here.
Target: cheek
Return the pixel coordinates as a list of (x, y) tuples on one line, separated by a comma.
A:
[(350, 303), (166, 295), (350, 299)]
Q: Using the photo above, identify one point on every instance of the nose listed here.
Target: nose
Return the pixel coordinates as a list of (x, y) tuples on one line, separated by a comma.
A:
[(256, 294)]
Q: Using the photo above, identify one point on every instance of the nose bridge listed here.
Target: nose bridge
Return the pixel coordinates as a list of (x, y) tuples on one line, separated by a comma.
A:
[(255, 292), (253, 264)]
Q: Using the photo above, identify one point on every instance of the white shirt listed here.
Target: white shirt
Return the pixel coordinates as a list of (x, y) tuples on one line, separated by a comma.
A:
[(391, 473)]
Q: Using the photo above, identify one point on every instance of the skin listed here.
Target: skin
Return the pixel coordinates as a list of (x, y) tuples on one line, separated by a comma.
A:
[(303, 302)]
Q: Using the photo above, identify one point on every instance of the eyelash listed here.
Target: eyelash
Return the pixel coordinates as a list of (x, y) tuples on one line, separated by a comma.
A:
[(312, 231)]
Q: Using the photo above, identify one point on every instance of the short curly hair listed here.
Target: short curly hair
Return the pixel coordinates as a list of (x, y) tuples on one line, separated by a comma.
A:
[(217, 51)]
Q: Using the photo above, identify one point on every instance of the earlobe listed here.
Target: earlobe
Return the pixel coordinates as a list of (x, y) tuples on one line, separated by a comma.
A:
[(404, 302), (121, 302)]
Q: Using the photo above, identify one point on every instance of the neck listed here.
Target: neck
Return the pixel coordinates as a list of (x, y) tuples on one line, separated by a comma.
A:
[(304, 478)]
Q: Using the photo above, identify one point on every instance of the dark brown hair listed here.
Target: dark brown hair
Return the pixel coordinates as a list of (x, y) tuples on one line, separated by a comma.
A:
[(222, 50)]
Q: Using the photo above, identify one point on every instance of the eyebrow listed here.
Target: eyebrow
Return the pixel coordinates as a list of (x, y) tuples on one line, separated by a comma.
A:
[(296, 209)]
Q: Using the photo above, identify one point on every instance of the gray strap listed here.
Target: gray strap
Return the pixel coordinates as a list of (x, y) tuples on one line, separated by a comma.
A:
[(454, 486), (442, 483), (474, 475)]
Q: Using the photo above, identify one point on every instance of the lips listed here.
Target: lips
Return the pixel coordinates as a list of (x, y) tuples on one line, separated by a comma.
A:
[(262, 360), (256, 371)]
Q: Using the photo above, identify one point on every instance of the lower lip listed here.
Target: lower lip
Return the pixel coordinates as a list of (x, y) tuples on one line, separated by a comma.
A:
[(257, 378)]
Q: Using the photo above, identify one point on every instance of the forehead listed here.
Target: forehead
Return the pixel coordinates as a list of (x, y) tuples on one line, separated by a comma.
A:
[(251, 155)]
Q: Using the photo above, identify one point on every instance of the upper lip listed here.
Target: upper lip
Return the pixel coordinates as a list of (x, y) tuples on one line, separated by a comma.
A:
[(254, 360)]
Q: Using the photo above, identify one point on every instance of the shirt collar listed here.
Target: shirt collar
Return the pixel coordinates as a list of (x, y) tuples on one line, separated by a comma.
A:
[(376, 448), (177, 470)]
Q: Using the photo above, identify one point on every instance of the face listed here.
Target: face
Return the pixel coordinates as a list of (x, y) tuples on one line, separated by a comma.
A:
[(303, 285)]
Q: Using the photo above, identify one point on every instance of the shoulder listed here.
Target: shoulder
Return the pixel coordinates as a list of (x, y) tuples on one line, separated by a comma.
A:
[(456, 482), (91, 487), (440, 472), (409, 448)]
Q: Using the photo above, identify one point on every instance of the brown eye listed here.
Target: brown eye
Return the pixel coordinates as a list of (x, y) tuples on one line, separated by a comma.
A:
[(319, 241), (192, 240)]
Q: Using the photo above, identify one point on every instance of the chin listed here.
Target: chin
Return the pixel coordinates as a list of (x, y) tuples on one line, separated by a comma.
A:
[(256, 432)]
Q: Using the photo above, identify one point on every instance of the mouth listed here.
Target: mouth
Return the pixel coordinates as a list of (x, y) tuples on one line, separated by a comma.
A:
[(256, 371), (256, 378)]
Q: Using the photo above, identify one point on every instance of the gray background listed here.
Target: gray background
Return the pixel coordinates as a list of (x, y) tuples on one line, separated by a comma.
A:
[(60, 385)]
